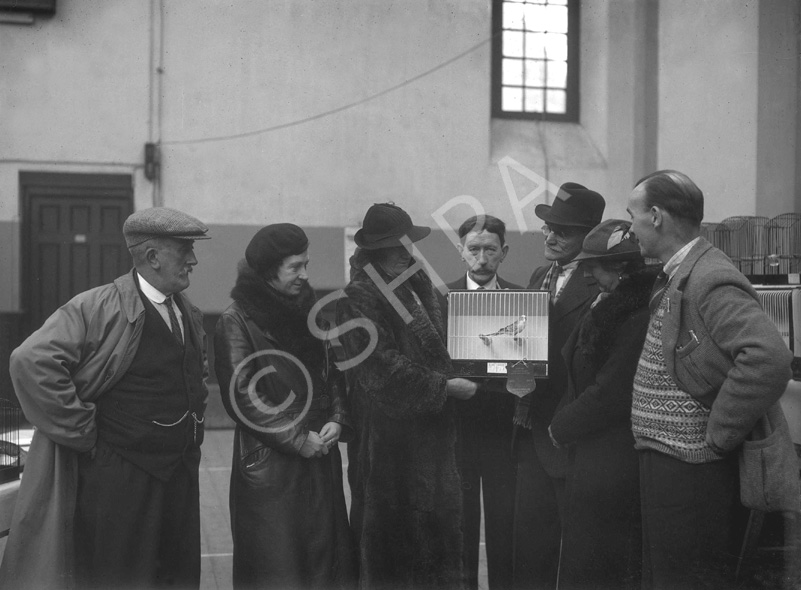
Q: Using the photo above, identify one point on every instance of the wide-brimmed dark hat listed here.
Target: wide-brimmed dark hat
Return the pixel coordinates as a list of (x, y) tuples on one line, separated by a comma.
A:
[(383, 226), (610, 241), (574, 205)]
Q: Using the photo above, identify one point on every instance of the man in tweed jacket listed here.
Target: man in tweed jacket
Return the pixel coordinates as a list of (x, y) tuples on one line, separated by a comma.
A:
[(712, 364)]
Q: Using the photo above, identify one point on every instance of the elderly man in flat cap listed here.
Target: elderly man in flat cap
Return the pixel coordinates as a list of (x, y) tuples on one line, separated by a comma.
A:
[(541, 468), (114, 384)]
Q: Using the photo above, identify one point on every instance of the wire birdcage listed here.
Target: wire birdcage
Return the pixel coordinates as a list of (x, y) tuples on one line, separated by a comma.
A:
[(744, 241), (11, 454), (717, 234), (784, 244), (708, 231)]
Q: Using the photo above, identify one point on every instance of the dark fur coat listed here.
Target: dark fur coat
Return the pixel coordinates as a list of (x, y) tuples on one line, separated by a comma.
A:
[(406, 509)]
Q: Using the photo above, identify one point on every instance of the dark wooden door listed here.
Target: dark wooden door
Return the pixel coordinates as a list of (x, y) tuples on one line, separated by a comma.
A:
[(72, 236)]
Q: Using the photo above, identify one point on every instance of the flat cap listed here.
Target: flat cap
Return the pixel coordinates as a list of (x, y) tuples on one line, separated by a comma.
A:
[(162, 222)]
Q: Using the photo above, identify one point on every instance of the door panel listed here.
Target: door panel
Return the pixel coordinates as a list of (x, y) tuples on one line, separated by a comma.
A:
[(72, 235)]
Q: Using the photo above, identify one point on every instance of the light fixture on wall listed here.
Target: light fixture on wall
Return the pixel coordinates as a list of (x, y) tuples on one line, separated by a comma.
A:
[(152, 163)]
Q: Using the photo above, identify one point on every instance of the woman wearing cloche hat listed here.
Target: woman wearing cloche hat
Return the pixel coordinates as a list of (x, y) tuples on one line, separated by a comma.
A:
[(279, 384), (602, 530), (406, 495)]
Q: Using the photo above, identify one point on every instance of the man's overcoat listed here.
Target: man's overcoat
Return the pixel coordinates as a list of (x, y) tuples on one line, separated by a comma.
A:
[(59, 372)]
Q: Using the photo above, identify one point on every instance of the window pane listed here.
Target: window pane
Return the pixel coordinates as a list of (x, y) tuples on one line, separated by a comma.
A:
[(513, 16), (536, 18), (512, 72), (557, 101), (556, 19), (534, 101), (512, 99), (535, 73), (533, 64), (556, 46), (557, 74), (535, 44), (512, 44)]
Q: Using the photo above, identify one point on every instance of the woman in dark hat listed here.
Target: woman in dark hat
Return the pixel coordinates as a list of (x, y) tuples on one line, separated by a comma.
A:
[(278, 383), (601, 536), (406, 496)]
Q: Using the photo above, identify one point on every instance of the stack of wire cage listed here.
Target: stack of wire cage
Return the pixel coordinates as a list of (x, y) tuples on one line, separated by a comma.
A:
[(744, 239), (784, 244), (11, 453), (757, 245)]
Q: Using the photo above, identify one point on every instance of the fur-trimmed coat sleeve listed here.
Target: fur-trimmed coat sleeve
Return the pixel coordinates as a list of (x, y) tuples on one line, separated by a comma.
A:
[(405, 370)]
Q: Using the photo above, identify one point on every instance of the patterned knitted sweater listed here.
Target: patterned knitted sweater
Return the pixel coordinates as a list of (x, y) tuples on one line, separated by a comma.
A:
[(663, 417)]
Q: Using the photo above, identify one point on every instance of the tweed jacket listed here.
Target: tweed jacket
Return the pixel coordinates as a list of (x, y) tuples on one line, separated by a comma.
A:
[(80, 353), (720, 346)]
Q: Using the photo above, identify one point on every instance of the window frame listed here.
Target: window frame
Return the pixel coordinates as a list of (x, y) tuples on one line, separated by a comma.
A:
[(571, 113)]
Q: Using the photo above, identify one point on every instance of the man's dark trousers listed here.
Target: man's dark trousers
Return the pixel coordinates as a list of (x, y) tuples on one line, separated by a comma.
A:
[(486, 464)]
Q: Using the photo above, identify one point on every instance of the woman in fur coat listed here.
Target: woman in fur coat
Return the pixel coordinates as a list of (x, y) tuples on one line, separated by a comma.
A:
[(406, 507), (601, 537), (278, 383)]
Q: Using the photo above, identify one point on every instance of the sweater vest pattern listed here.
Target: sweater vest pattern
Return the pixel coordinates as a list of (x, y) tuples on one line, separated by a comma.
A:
[(663, 417)]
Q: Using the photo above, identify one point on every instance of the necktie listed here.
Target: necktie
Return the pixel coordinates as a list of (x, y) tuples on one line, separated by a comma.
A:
[(660, 284), (174, 325), (553, 286)]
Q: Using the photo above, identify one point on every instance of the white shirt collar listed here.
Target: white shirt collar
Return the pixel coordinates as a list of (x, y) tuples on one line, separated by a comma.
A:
[(150, 291), (473, 286), (672, 265)]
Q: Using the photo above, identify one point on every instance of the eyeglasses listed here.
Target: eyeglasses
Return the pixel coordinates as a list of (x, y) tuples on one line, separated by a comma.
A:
[(561, 233)]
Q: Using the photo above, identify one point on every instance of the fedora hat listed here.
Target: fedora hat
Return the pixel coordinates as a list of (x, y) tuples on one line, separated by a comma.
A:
[(383, 226), (574, 205), (610, 241)]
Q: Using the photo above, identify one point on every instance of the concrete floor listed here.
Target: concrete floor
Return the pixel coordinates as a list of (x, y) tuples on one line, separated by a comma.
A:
[(215, 524)]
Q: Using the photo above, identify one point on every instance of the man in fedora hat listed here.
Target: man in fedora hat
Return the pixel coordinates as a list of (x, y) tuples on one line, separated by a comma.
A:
[(542, 467), (114, 384)]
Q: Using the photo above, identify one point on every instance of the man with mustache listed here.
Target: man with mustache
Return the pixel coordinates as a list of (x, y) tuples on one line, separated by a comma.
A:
[(114, 382), (485, 439)]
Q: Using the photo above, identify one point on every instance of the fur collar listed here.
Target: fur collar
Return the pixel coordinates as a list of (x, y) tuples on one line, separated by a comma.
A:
[(427, 322), (283, 318), (597, 332)]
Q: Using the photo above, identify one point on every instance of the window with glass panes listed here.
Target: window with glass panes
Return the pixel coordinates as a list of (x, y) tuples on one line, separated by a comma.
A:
[(535, 59)]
